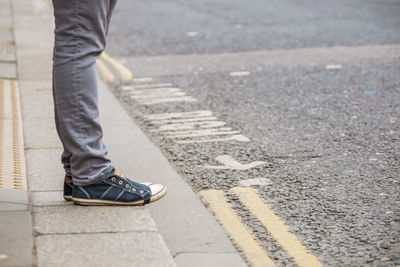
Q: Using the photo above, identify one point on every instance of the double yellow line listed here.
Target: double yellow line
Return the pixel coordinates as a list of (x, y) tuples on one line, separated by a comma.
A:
[(107, 75), (242, 237)]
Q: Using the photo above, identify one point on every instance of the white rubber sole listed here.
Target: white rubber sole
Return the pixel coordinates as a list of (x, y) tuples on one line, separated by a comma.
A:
[(100, 202)]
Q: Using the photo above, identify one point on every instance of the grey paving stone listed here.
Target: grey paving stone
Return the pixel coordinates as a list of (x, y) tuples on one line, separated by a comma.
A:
[(16, 240), (13, 195), (8, 70), (209, 260), (5, 22), (81, 219), (33, 44), (33, 87), (6, 34), (44, 169), (118, 249), (7, 206), (10, 57), (41, 102), (34, 67), (42, 133), (49, 198)]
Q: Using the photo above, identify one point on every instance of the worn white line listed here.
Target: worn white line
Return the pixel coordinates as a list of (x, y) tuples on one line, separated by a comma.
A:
[(192, 34), (333, 67), (190, 126), (157, 95), (169, 121), (200, 133), (142, 79), (238, 137), (230, 163), (166, 100), (152, 85), (195, 131), (154, 91), (239, 73), (191, 114)]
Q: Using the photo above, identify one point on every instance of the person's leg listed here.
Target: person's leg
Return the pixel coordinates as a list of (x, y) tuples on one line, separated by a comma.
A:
[(66, 155), (109, 14), (80, 37)]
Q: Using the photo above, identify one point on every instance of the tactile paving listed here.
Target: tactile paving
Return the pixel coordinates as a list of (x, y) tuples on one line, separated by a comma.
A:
[(12, 160)]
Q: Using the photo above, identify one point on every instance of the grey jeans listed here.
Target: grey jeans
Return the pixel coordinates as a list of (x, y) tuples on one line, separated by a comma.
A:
[(80, 37)]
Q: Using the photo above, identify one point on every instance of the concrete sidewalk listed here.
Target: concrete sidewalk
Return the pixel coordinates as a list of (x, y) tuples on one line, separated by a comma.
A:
[(39, 228)]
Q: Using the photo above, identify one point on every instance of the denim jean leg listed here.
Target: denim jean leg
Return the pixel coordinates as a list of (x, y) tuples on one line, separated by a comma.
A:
[(80, 37), (65, 155)]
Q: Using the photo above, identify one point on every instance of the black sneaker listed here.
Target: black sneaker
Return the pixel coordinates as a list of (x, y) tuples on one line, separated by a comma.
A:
[(68, 188), (116, 189)]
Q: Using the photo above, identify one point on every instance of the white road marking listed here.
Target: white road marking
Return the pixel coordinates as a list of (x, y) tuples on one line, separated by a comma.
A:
[(191, 114), (192, 34), (256, 181), (202, 133), (196, 130), (239, 73), (200, 123), (142, 79), (151, 85), (211, 118), (127, 87), (157, 95), (190, 126), (238, 137), (333, 67), (230, 163), (154, 91), (166, 100), (152, 96)]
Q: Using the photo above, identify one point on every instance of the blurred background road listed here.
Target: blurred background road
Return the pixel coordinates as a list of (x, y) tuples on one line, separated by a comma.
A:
[(312, 88)]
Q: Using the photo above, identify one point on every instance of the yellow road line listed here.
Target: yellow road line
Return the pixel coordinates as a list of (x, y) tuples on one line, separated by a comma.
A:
[(276, 227), (126, 75), (105, 73), (238, 232)]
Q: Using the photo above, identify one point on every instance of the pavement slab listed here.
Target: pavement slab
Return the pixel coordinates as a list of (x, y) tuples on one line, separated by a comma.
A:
[(48, 198), (44, 177), (65, 219), (16, 238), (209, 259), (116, 249)]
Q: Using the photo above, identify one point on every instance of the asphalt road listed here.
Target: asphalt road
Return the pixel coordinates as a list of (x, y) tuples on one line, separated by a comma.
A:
[(315, 87)]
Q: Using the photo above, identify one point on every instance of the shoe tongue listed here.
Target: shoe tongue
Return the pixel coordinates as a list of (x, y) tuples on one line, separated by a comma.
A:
[(117, 172)]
